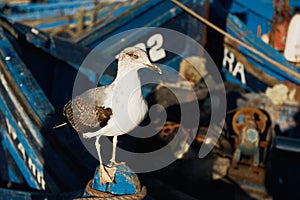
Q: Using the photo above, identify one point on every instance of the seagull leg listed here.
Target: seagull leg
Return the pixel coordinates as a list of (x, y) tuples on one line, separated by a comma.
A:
[(105, 175), (97, 144), (113, 157)]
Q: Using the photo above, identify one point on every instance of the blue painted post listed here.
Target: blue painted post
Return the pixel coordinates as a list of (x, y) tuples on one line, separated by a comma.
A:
[(126, 183)]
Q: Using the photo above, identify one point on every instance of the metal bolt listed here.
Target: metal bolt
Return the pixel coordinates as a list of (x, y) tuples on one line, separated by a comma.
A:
[(35, 31)]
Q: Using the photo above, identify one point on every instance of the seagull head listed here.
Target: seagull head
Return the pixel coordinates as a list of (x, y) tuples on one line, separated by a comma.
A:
[(136, 58)]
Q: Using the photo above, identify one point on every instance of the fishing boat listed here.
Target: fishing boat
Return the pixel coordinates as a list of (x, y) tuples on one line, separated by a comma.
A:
[(28, 143), (68, 19), (261, 65), (38, 11), (37, 78)]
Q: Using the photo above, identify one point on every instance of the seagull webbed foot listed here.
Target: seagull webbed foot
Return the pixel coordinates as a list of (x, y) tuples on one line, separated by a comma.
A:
[(107, 174)]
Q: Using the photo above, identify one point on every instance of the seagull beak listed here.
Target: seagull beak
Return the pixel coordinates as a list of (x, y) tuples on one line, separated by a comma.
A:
[(154, 68)]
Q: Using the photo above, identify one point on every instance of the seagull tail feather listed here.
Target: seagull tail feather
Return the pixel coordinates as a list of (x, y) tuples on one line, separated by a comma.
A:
[(59, 125)]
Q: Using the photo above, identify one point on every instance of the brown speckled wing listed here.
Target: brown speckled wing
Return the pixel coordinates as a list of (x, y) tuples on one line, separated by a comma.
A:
[(85, 116)]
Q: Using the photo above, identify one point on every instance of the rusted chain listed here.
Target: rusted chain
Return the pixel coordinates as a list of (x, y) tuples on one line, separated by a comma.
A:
[(169, 129)]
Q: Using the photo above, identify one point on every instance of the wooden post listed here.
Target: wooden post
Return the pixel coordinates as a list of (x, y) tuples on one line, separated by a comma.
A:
[(80, 21), (93, 17)]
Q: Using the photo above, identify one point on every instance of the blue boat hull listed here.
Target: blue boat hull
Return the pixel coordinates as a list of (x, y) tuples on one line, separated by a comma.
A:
[(40, 74)]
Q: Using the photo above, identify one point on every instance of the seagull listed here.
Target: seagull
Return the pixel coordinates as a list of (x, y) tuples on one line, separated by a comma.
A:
[(114, 109)]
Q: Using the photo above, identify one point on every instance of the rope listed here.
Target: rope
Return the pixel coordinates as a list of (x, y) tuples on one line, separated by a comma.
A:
[(270, 60), (96, 194)]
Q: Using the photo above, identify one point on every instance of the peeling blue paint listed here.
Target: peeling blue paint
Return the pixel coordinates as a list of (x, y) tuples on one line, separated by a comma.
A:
[(125, 182)]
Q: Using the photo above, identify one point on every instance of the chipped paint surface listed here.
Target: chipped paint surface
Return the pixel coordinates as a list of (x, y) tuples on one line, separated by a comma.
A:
[(21, 111), (125, 182)]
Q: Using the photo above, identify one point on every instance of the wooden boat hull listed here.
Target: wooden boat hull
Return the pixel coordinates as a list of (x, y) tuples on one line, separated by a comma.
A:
[(38, 75)]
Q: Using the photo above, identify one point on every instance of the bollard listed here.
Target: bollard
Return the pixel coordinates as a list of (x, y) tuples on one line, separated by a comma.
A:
[(126, 185)]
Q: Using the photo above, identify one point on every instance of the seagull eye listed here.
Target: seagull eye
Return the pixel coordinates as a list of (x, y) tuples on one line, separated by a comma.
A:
[(133, 55)]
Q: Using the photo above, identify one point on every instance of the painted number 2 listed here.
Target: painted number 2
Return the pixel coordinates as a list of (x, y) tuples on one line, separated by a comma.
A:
[(155, 43)]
